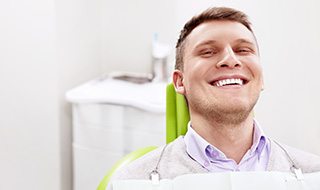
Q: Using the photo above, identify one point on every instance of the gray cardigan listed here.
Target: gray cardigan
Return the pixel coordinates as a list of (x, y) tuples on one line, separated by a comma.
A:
[(175, 161)]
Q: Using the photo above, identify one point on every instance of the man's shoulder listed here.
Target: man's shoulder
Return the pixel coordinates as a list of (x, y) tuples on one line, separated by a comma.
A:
[(138, 168), (171, 160), (172, 155), (306, 161)]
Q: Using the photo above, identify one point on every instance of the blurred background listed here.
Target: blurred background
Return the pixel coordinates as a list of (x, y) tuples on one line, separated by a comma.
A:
[(48, 47)]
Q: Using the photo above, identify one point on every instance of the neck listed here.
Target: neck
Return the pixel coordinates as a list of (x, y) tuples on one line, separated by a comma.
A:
[(233, 139)]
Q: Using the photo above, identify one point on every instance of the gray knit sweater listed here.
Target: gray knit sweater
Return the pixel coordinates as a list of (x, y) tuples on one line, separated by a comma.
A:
[(175, 161)]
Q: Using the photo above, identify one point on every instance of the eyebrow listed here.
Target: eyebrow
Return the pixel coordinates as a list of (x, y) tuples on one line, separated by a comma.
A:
[(207, 42), (245, 41), (211, 42)]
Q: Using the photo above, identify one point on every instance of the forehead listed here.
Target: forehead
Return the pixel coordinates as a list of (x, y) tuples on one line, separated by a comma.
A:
[(219, 31)]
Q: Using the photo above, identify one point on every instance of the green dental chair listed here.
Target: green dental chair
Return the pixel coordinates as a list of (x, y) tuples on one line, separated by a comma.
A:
[(177, 118)]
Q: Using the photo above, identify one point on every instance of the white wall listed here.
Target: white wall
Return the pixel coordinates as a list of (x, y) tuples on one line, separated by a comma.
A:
[(78, 44), (29, 153), (128, 28), (46, 48)]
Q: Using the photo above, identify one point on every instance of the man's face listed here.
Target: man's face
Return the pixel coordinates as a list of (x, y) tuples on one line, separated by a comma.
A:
[(222, 73)]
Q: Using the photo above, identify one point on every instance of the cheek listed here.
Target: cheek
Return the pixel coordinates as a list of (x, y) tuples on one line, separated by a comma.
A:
[(256, 70), (199, 68), (254, 66), (195, 70)]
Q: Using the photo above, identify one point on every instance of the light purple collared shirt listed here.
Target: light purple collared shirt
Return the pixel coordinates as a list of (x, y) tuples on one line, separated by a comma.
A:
[(211, 158)]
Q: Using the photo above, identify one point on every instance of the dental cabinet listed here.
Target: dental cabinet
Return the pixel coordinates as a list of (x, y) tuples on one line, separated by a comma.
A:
[(110, 119)]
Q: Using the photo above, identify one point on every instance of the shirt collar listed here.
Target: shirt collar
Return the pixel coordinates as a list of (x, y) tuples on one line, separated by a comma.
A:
[(259, 139), (203, 152), (196, 146)]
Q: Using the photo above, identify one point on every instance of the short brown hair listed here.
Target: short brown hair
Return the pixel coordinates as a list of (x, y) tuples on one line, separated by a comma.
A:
[(211, 14)]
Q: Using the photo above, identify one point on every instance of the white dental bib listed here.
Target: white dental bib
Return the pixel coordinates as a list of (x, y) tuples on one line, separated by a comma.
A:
[(228, 181)]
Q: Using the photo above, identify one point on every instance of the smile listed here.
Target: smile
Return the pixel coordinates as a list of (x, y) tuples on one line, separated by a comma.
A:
[(226, 82)]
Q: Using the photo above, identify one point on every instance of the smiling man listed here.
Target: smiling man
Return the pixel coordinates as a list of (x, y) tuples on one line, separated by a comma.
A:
[(218, 71)]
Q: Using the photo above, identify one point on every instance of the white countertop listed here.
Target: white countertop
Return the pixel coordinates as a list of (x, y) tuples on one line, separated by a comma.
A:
[(148, 96)]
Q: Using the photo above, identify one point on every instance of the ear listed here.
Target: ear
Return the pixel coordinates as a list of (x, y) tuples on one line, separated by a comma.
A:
[(178, 82)]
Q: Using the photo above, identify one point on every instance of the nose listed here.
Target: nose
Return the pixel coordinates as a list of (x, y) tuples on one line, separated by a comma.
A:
[(229, 59)]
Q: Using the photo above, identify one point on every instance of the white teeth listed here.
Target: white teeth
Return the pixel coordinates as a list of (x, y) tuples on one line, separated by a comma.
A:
[(228, 81)]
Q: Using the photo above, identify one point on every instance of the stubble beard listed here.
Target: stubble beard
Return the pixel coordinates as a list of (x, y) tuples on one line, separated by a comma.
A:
[(221, 113)]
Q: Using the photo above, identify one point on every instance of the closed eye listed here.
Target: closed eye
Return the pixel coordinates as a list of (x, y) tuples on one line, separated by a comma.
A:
[(207, 53), (244, 50)]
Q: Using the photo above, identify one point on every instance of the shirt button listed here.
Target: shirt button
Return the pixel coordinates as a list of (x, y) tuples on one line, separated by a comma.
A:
[(215, 154)]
